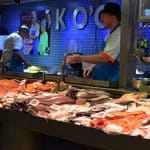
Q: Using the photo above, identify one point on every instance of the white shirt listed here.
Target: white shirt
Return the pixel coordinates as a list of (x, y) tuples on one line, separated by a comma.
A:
[(35, 30), (13, 41), (112, 49)]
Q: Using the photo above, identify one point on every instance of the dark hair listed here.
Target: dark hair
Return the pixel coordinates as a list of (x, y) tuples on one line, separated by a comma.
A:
[(118, 17), (114, 9)]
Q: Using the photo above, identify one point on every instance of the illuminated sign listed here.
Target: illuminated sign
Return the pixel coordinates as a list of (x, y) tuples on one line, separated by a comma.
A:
[(60, 15)]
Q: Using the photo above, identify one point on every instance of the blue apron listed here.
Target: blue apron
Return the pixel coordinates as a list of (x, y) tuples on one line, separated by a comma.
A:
[(16, 65), (106, 71)]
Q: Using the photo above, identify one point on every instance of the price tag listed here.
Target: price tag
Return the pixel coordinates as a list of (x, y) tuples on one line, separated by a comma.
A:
[(34, 102)]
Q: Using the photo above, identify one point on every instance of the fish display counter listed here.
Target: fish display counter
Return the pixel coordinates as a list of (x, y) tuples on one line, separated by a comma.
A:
[(30, 110)]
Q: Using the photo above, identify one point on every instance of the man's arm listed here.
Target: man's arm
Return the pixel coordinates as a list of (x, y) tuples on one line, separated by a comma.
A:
[(145, 59), (18, 55), (94, 59)]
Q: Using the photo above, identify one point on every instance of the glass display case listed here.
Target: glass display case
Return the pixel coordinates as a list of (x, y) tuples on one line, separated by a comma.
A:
[(144, 10)]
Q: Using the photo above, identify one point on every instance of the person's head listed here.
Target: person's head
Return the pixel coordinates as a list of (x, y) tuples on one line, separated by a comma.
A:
[(23, 31), (111, 14), (34, 20), (48, 17)]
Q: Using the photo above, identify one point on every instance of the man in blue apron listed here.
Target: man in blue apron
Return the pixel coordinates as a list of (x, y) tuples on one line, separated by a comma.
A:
[(11, 56), (107, 63)]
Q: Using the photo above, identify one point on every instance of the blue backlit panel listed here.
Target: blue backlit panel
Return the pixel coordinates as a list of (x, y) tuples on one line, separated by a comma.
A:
[(88, 40)]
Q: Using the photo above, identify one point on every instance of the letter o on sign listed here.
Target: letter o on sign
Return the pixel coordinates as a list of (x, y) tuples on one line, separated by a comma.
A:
[(75, 15)]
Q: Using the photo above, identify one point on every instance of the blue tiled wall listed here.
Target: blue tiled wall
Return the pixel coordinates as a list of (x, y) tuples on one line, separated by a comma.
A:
[(86, 38)]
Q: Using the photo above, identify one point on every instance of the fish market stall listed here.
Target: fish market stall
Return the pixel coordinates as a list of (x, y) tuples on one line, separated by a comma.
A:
[(96, 114)]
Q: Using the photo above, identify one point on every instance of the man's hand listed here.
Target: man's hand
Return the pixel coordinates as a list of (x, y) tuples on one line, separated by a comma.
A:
[(17, 54), (73, 58), (87, 71), (27, 64), (33, 37)]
